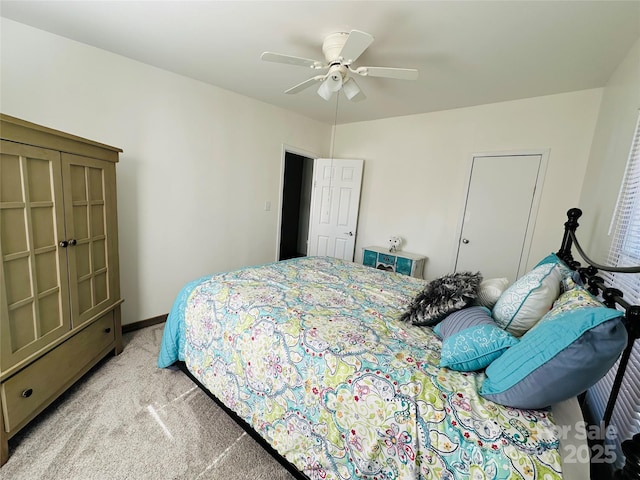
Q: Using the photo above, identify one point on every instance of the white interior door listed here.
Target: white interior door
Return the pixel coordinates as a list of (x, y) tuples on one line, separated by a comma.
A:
[(498, 215), (335, 201)]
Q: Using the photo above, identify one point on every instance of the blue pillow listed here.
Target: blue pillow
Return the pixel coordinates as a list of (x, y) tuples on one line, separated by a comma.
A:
[(461, 319), (471, 340), (567, 352)]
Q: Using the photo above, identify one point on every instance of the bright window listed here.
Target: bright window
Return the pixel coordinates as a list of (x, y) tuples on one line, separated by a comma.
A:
[(624, 252)]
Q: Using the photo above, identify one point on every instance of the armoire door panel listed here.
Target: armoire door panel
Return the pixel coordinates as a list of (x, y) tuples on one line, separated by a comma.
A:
[(43, 226), (80, 227), (95, 179), (99, 254), (83, 259), (47, 271), (13, 228), (97, 215), (91, 269), (20, 331), (34, 269), (10, 190), (78, 183), (85, 296), (101, 287), (39, 175), (19, 290), (48, 311)]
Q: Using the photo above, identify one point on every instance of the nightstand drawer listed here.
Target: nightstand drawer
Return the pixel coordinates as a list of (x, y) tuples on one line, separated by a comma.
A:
[(403, 265), (386, 259), (370, 258)]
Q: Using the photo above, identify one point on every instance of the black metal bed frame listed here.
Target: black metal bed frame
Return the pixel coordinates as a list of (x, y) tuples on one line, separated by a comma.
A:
[(612, 298)]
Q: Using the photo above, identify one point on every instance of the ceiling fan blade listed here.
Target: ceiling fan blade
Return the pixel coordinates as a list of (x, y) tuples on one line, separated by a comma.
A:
[(291, 60), (387, 72), (356, 43), (306, 84)]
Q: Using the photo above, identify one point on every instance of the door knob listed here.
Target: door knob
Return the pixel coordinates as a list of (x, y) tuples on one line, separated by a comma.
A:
[(465, 241), (349, 233)]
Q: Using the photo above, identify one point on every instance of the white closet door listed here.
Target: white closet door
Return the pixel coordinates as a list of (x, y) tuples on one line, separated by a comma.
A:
[(497, 215)]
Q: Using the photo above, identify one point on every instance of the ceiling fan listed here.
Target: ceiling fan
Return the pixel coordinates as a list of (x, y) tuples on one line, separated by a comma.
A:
[(340, 51)]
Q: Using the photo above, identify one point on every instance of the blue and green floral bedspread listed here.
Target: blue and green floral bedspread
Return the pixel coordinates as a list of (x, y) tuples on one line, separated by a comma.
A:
[(310, 353)]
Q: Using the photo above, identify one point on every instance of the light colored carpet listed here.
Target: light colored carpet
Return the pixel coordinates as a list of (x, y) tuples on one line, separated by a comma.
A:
[(127, 419)]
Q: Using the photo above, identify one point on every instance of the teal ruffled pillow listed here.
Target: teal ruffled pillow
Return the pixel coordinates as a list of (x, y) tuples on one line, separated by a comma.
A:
[(471, 340)]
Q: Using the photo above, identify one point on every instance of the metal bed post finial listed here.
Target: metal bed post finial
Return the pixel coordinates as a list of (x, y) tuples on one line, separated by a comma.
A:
[(570, 225)]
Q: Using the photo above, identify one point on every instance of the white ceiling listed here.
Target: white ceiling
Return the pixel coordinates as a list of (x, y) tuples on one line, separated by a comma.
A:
[(468, 52)]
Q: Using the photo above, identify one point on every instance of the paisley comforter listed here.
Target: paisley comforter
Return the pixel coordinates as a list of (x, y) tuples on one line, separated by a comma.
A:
[(310, 353)]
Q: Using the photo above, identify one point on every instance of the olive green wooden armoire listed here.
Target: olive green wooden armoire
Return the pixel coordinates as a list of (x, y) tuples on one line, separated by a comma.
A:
[(59, 281)]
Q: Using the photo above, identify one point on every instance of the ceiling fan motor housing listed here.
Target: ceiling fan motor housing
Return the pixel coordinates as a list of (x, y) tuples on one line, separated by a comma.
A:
[(332, 46)]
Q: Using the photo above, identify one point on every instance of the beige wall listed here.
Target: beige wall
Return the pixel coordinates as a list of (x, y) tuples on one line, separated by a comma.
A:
[(198, 165), (609, 154), (417, 167)]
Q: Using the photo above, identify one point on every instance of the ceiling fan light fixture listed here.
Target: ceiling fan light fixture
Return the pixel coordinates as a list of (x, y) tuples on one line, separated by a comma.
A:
[(332, 83), (325, 90), (351, 88)]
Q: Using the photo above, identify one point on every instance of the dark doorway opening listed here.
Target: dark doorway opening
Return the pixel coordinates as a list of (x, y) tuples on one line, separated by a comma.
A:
[(296, 206)]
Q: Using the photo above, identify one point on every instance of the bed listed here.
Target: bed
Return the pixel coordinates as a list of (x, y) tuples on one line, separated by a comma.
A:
[(311, 357)]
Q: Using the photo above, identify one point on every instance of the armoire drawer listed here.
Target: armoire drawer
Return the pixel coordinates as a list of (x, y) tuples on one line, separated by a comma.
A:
[(33, 388)]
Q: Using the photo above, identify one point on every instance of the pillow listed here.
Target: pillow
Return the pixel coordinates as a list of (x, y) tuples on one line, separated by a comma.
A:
[(471, 339), (524, 303), (553, 258), (463, 319), (490, 290), (569, 350), (576, 298), (441, 297), (570, 278)]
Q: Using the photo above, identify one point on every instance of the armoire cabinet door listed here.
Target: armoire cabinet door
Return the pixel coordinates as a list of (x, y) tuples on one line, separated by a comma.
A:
[(89, 192), (34, 282)]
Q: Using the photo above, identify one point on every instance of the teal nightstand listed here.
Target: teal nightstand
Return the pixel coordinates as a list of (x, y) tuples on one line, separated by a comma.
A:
[(400, 262)]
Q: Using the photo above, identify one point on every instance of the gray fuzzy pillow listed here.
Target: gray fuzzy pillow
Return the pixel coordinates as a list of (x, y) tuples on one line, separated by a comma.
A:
[(441, 297)]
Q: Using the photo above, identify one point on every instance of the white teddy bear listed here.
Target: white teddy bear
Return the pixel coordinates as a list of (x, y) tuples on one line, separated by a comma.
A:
[(394, 243)]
